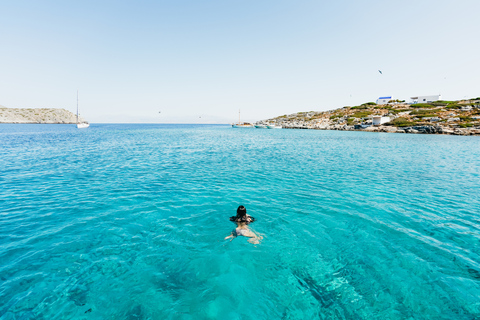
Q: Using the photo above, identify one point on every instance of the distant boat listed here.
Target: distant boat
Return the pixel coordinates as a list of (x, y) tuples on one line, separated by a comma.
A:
[(81, 125), (241, 124), (261, 126), (274, 126)]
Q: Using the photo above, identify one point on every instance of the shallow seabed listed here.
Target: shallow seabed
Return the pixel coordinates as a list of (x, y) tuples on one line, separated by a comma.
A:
[(128, 222)]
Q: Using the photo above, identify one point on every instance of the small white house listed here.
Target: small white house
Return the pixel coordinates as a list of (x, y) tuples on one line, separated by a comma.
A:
[(426, 99), (378, 120), (383, 100)]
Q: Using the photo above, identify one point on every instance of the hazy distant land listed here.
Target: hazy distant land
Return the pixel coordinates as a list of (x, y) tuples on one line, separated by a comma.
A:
[(37, 115)]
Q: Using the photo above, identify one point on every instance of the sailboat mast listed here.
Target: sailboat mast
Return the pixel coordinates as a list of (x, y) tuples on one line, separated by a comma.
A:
[(238, 116), (77, 105)]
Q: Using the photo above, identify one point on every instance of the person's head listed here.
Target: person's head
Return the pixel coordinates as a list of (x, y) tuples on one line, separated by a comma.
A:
[(241, 212)]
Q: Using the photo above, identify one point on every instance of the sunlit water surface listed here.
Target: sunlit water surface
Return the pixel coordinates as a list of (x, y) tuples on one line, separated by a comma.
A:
[(128, 222)]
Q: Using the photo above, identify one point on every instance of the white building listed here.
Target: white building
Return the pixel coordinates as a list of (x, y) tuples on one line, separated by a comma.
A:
[(378, 120), (383, 100), (425, 99)]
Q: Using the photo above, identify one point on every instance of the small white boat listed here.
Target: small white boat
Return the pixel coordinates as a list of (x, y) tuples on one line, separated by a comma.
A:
[(81, 125), (274, 126), (242, 124), (261, 126)]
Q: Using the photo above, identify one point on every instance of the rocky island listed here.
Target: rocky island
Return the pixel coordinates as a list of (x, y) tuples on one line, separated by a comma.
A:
[(460, 117), (38, 115)]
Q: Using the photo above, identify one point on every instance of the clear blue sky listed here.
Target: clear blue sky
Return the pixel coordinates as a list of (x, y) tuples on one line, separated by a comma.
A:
[(202, 61)]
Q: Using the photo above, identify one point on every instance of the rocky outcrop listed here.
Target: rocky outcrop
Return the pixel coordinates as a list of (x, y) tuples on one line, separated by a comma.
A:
[(460, 117), (426, 129), (37, 115)]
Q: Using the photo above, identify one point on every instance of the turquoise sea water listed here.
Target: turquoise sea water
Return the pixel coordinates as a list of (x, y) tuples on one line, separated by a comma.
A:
[(128, 222)]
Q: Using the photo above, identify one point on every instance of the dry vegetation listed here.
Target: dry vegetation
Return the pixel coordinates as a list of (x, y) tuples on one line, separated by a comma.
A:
[(37, 115), (449, 114)]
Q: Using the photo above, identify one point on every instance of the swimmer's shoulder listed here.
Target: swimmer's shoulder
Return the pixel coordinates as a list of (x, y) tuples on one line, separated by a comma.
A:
[(248, 219)]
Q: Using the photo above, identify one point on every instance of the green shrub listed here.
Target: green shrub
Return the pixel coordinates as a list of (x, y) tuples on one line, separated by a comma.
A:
[(402, 122), (369, 104), (422, 105), (360, 107), (335, 116), (453, 106), (440, 103), (424, 112), (361, 114), (466, 125)]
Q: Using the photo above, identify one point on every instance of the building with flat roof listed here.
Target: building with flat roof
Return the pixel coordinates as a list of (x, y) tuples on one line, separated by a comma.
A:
[(383, 100), (426, 99)]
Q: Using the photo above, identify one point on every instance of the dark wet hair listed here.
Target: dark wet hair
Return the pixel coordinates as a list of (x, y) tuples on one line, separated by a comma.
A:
[(241, 211), (242, 215)]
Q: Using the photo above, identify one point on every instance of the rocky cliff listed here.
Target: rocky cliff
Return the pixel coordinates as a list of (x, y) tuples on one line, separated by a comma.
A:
[(37, 115)]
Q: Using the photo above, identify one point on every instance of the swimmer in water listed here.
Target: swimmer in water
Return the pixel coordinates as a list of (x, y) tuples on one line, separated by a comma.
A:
[(242, 219)]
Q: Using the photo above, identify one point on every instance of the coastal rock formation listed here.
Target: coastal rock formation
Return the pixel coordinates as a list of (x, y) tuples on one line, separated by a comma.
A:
[(439, 117), (37, 115)]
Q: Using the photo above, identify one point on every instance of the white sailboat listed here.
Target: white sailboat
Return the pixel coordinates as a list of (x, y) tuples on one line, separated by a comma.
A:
[(81, 125), (241, 124)]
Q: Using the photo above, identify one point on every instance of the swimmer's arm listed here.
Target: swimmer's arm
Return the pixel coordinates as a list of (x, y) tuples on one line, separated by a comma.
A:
[(232, 235)]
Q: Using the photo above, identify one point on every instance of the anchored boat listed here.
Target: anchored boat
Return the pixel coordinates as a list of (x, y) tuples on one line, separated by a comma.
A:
[(241, 124), (81, 125)]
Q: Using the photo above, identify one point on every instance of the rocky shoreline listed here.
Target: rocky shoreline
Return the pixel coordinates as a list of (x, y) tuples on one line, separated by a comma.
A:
[(460, 117), (389, 129), (38, 115)]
